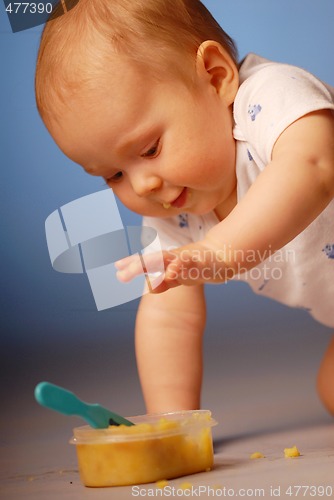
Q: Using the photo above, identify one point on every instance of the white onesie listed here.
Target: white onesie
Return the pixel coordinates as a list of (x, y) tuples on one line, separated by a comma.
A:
[(271, 96)]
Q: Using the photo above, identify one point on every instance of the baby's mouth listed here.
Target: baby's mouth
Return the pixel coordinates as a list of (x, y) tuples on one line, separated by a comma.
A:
[(181, 199)]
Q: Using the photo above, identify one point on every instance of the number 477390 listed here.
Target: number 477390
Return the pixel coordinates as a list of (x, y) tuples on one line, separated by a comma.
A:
[(29, 8), (309, 491)]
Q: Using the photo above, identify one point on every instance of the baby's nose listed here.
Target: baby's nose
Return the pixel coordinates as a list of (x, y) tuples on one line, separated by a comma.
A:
[(144, 184)]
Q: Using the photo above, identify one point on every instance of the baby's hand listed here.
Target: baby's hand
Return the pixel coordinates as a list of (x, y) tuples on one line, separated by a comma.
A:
[(189, 265)]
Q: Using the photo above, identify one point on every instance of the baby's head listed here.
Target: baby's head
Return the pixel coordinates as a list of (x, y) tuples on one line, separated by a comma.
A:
[(90, 56), (81, 46)]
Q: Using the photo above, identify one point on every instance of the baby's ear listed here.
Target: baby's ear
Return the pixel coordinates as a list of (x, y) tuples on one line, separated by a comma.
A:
[(216, 67)]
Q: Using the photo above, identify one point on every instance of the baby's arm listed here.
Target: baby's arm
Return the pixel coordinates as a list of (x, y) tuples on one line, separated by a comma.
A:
[(169, 331), (288, 195)]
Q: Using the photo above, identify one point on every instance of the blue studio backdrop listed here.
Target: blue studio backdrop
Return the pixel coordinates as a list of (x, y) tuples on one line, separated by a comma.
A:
[(42, 310)]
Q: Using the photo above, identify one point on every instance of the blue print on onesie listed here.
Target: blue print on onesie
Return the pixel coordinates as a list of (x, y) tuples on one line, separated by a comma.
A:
[(183, 220), (254, 110), (329, 250)]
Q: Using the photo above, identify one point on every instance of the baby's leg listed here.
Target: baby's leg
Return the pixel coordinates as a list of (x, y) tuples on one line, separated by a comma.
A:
[(325, 382), (169, 331)]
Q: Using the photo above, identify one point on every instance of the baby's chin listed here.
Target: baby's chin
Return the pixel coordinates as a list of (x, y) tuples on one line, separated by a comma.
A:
[(166, 213), (157, 210)]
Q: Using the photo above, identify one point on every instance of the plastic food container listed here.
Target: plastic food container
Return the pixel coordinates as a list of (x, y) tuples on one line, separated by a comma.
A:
[(159, 446)]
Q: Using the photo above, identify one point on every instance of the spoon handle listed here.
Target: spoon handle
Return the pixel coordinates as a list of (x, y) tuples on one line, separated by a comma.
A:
[(61, 400)]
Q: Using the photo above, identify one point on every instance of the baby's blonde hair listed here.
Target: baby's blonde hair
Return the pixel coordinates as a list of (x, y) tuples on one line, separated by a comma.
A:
[(77, 47)]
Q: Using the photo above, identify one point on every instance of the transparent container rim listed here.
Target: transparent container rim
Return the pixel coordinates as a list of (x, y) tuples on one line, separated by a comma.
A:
[(88, 435)]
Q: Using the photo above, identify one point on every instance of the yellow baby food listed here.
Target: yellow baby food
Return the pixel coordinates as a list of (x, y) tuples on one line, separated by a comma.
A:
[(186, 486), (257, 454), (161, 484), (146, 452), (291, 452)]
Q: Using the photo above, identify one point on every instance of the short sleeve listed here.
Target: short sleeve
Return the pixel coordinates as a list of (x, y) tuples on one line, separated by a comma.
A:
[(272, 98), (173, 232)]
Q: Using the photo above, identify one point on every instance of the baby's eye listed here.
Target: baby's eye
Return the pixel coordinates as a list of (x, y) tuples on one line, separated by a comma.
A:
[(153, 151), (115, 178)]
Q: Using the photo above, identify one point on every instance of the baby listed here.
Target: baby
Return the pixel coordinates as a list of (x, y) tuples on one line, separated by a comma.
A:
[(232, 163)]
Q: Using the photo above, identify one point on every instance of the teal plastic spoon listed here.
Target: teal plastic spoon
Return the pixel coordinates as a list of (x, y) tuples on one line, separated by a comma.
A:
[(61, 400)]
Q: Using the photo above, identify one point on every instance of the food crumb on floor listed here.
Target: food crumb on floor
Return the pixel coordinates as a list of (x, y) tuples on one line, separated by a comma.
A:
[(291, 452), (161, 484), (186, 486), (257, 454)]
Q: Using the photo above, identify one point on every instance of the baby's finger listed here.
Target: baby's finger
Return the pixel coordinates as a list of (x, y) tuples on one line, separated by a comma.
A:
[(155, 262), (133, 269), (134, 265), (126, 261), (173, 271), (160, 285)]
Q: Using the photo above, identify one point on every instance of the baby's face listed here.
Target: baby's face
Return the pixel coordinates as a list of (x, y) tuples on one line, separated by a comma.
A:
[(162, 149)]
